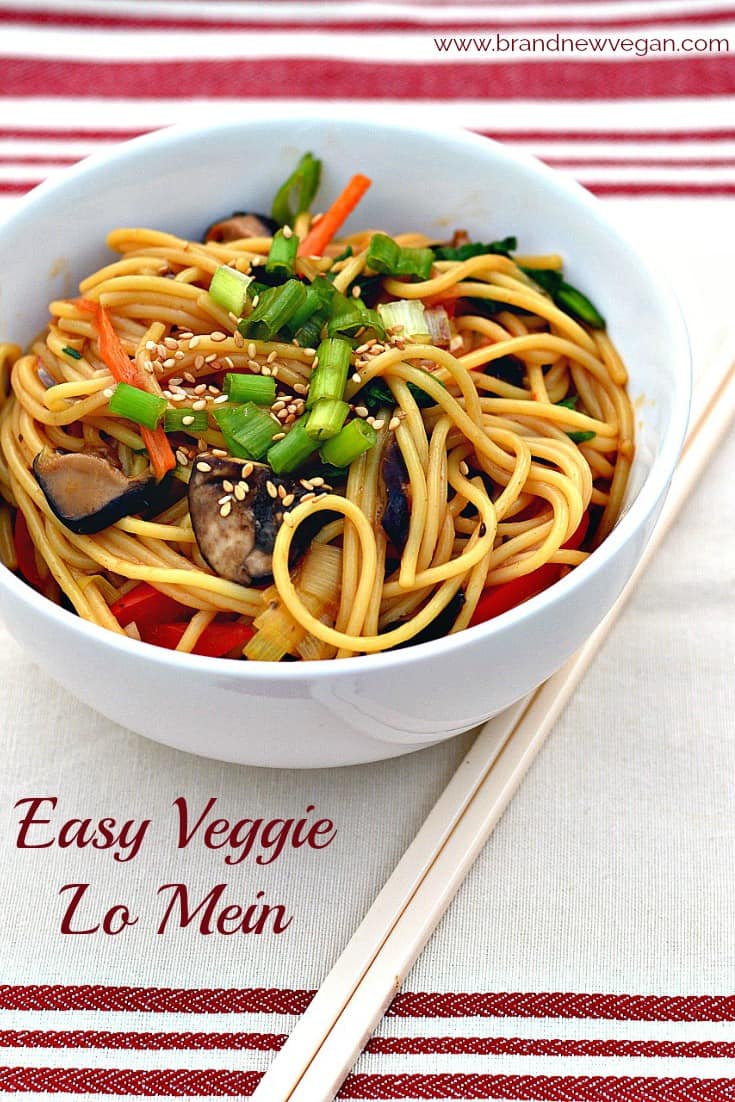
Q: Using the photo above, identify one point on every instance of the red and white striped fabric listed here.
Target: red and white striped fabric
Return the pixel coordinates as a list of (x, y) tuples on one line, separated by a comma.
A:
[(590, 954)]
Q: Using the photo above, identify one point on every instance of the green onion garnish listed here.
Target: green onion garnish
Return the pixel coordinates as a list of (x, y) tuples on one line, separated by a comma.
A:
[(566, 297), (240, 388), (276, 306), (72, 352), (475, 248), (137, 405), (406, 316), (326, 418), (349, 443), (329, 377), (389, 258), (186, 420), (247, 430), (350, 315), (581, 437), (282, 255), (293, 450), (303, 184), (229, 289)]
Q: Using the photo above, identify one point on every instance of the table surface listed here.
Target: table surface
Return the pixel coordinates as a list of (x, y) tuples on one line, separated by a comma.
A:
[(592, 940)]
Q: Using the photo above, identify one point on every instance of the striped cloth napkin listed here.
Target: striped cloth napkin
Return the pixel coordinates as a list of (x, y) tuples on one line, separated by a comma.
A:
[(589, 956)]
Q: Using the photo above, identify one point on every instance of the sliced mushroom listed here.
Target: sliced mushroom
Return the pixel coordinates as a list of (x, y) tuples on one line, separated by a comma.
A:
[(87, 492), (397, 513), (241, 224), (236, 519)]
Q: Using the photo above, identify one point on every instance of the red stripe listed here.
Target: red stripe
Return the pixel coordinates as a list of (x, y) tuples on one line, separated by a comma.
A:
[(32, 159), (115, 1040), (328, 78), (523, 1046), (566, 1088), (635, 162), (188, 1083), (682, 191), (723, 134), (273, 1000), (179, 1083), (586, 18), (140, 1041)]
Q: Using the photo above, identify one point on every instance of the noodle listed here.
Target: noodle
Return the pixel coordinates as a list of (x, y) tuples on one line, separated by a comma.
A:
[(509, 436)]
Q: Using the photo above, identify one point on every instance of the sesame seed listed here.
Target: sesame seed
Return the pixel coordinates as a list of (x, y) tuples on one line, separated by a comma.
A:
[(256, 300), (222, 454), (213, 389), (254, 366), (272, 491), (265, 370), (287, 232), (310, 351), (301, 388), (218, 336), (185, 336), (308, 497), (370, 420), (247, 470), (227, 485), (170, 342), (225, 498), (199, 404), (182, 458), (178, 354), (378, 424), (317, 480), (194, 342), (108, 391), (161, 351), (240, 491), (187, 420), (290, 419), (189, 377), (148, 366), (361, 349), (202, 466), (362, 411), (167, 394), (226, 509), (306, 483), (279, 436), (169, 363), (356, 291), (271, 357), (281, 491), (220, 399), (227, 361), (288, 520), (200, 388), (175, 381), (464, 469), (210, 358), (274, 371), (289, 499), (238, 338), (151, 346), (199, 362), (357, 378), (252, 350), (394, 423), (278, 404)]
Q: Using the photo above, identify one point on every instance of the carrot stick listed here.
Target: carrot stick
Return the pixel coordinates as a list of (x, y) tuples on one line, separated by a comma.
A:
[(125, 370), (322, 233)]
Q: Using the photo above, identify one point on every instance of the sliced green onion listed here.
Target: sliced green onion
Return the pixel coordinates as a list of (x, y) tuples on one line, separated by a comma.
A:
[(326, 418), (567, 297), (72, 352), (307, 323), (229, 289), (293, 450), (405, 315), (186, 420), (276, 306), (137, 405), (310, 333), (476, 248), (282, 254), (240, 387), (570, 402), (389, 258), (329, 377), (376, 394), (302, 185), (581, 437), (350, 315), (247, 429), (349, 443)]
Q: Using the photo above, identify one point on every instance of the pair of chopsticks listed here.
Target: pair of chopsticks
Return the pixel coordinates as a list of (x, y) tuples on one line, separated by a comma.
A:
[(343, 1014)]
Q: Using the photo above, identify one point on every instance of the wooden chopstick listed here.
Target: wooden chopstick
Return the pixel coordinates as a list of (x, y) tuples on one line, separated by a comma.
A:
[(343, 1014)]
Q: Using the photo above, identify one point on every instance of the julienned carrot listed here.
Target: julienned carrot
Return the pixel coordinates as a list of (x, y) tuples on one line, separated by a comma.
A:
[(322, 233), (125, 370)]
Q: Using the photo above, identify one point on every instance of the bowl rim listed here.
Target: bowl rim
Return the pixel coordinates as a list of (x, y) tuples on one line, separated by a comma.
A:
[(645, 502)]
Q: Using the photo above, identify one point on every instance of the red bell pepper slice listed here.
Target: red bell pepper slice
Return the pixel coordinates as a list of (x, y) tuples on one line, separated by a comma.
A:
[(501, 598), (144, 605), (216, 640), (25, 552)]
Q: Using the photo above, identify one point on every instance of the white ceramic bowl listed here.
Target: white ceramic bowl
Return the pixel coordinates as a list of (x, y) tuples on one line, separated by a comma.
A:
[(362, 709)]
